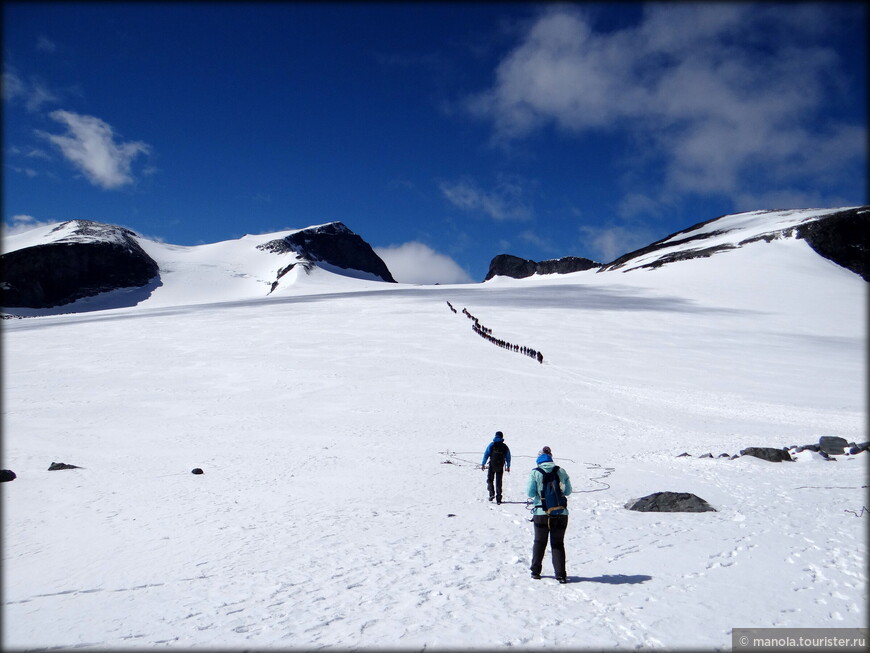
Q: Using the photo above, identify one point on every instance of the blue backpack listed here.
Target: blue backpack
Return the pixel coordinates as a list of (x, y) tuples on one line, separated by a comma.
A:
[(553, 501)]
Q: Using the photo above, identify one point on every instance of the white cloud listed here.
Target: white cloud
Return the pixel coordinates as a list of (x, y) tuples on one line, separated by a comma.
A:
[(717, 91), (13, 87), (30, 172), (90, 145), (44, 44), (414, 262), (33, 93), (20, 223), (505, 202), (634, 204), (606, 244)]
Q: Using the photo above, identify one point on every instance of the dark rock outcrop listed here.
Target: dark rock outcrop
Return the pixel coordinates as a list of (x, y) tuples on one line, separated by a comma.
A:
[(7, 475), (768, 453), (196, 470), (92, 258), (56, 466), (334, 244), (833, 445), (670, 502), (505, 265), (842, 237)]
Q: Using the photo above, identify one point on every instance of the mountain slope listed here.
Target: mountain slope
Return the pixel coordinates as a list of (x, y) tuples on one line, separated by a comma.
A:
[(81, 265), (840, 235), (86, 266), (51, 267), (307, 411)]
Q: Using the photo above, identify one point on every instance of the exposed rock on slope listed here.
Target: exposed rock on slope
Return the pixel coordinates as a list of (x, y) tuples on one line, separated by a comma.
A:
[(842, 237), (839, 235), (506, 265), (334, 244), (86, 258)]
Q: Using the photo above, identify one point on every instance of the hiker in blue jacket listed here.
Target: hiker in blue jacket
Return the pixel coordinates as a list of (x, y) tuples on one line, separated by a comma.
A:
[(499, 455), (548, 526)]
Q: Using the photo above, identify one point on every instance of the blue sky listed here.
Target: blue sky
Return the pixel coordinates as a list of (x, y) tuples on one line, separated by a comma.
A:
[(444, 134)]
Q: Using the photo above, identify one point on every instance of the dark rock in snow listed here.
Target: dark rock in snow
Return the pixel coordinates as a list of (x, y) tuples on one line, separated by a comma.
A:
[(807, 447), (56, 466), (706, 455), (7, 475), (196, 470), (566, 265), (670, 502), (93, 258), (335, 244), (767, 453), (684, 454), (505, 265), (833, 445), (843, 237), (858, 448)]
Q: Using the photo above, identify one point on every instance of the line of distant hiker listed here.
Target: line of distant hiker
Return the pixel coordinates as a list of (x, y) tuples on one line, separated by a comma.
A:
[(549, 486), (486, 333)]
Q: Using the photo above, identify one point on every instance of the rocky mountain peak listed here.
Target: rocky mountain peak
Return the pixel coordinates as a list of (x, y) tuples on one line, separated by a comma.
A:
[(332, 243), (506, 265)]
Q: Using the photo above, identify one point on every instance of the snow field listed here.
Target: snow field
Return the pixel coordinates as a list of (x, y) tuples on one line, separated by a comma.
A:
[(325, 425)]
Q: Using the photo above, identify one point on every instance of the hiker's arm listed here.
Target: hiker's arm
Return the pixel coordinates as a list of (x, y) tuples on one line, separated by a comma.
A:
[(532, 487), (566, 482), (485, 455)]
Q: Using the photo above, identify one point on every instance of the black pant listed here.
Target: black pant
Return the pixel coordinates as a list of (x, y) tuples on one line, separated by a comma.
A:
[(552, 528), (494, 472)]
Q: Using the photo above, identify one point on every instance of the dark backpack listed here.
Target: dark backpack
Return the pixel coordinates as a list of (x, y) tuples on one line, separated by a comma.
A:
[(553, 501), (497, 454)]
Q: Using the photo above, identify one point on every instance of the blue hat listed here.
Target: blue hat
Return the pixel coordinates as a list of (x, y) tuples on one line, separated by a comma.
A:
[(544, 458)]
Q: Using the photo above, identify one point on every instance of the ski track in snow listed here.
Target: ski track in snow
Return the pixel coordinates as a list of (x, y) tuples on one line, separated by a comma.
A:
[(386, 391)]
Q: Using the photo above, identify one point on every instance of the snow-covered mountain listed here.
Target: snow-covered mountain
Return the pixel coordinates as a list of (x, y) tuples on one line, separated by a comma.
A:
[(340, 424), (83, 265), (840, 235)]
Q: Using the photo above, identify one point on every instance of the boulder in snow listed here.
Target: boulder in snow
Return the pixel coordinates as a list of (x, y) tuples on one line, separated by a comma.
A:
[(56, 466), (833, 445), (670, 502), (767, 453), (7, 475)]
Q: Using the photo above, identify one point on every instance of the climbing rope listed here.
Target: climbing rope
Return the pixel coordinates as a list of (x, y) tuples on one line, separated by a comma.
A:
[(454, 456)]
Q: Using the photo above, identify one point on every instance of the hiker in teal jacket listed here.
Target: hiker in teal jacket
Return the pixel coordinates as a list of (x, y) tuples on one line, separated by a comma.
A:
[(548, 527)]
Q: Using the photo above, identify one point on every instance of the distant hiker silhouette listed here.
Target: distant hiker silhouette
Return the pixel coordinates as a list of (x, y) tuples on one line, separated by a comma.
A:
[(549, 484), (499, 455)]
